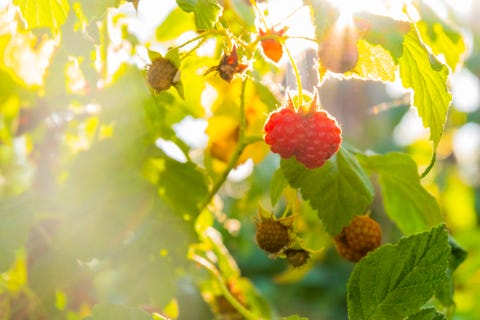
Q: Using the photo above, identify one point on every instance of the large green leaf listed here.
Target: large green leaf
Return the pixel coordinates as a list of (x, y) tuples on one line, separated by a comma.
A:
[(338, 191), (427, 314), (117, 312), (16, 215), (176, 23), (394, 281), (405, 200), (206, 12), (427, 77), (47, 13), (440, 37), (96, 9)]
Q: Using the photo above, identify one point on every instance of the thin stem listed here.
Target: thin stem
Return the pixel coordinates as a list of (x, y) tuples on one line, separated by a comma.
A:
[(242, 143), (228, 295), (297, 75), (260, 14), (430, 165)]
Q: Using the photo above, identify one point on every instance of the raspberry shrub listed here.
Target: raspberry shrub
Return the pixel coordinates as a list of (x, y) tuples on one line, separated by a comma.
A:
[(309, 134), (362, 235)]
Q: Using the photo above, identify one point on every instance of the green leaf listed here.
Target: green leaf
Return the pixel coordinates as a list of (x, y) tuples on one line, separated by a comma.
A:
[(338, 191), (175, 180), (176, 23), (117, 312), (207, 12), (16, 220), (439, 36), (394, 281), (405, 200), (428, 314), (427, 77), (385, 31), (294, 317), (43, 14), (445, 291), (96, 9), (277, 186)]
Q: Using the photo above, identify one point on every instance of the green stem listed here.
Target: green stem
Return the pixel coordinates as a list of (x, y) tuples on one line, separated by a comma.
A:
[(297, 75), (430, 165), (242, 143), (227, 294)]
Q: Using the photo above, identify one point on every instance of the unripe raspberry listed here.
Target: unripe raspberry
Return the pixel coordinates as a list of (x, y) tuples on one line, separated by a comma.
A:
[(272, 48), (161, 74), (272, 236), (362, 235), (297, 257)]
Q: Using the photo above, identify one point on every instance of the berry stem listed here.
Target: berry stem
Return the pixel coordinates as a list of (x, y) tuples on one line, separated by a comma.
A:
[(430, 165), (297, 75), (227, 294), (243, 142)]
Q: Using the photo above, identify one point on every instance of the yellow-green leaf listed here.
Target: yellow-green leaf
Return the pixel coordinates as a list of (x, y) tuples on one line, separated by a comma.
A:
[(427, 77), (47, 13), (442, 38)]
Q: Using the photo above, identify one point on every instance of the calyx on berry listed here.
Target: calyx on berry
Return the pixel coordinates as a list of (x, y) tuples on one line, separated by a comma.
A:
[(308, 133), (228, 66)]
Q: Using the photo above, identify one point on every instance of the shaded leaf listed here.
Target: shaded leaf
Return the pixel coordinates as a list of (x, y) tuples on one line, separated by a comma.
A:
[(405, 200), (96, 9), (207, 12), (427, 77), (277, 185), (394, 281), (338, 191), (48, 13), (428, 314)]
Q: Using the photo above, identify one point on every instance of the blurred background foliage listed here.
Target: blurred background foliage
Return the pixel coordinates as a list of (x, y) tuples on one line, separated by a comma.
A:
[(105, 185)]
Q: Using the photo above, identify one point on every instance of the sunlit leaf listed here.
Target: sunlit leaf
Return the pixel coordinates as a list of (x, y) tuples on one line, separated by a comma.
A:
[(117, 312), (206, 12), (374, 63), (16, 214), (442, 38), (405, 200), (96, 9), (394, 281), (48, 13), (277, 186), (339, 190), (427, 77), (176, 23)]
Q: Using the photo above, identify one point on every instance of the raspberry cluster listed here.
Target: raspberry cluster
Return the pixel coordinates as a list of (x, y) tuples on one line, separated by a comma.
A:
[(309, 134), (362, 235)]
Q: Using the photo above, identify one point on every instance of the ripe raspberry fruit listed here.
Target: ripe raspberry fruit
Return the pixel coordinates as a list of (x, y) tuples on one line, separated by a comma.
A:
[(362, 235), (273, 235), (272, 48), (161, 74), (312, 135), (297, 257)]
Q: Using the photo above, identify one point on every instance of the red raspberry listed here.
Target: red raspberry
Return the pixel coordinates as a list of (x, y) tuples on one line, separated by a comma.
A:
[(272, 48), (362, 235), (312, 135)]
